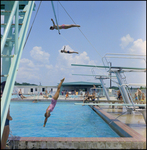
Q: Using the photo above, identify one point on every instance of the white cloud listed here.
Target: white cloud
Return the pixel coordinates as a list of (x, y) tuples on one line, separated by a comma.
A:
[(139, 46), (63, 66), (39, 55), (125, 40), (27, 63), (34, 69), (27, 71), (65, 60)]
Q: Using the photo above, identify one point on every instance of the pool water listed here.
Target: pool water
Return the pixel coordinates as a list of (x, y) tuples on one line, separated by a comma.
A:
[(74, 96), (66, 120)]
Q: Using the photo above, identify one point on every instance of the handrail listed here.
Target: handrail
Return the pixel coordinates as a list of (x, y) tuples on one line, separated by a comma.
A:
[(124, 56)]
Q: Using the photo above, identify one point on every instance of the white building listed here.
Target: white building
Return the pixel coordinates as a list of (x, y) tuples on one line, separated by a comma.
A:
[(32, 89)]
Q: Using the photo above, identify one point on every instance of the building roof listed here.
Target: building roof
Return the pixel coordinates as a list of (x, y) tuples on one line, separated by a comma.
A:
[(81, 83), (43, 86)]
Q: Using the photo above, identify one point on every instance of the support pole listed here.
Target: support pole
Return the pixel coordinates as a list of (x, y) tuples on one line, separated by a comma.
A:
[(16, 30), (105, 90), (55, 16), (122, 88)]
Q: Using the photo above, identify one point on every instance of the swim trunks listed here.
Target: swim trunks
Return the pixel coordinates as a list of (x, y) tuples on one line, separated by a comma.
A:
[(139, 96), (7, 122), (67, 51), (63, 27), (20, 94), (52, 105), (119, 96)]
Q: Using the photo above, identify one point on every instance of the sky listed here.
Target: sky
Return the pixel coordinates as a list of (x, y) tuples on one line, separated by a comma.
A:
[(106, 27)]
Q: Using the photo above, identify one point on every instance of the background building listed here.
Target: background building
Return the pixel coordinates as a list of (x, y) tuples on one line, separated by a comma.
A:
[(78, 86), (66, 86), (33, 89)]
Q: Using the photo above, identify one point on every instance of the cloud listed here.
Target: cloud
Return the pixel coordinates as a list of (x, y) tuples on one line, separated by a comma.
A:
[(39, 55), (125, 40), (139, 46), (65, 60), (27, 74), (36, 68), (63, 66), (27, 71), (27, 63)]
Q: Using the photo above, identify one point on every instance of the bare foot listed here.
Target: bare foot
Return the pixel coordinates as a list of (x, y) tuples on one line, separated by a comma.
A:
[(62, 79), (9, 118)]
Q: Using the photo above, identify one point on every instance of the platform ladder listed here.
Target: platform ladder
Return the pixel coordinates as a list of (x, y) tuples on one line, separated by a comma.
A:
[(12, 43)]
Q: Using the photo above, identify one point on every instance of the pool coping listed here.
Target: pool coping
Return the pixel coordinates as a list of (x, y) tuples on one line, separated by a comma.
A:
[(133, 141), (48, 99)]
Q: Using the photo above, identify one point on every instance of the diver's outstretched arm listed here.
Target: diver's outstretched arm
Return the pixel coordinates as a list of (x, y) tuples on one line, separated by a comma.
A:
[(53, 22)]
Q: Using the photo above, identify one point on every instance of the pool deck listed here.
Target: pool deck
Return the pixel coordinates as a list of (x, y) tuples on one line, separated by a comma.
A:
[(41, 98), (131, 128)]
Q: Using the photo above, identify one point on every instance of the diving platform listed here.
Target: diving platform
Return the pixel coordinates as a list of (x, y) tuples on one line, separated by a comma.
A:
[(117, 70), (13, 39)]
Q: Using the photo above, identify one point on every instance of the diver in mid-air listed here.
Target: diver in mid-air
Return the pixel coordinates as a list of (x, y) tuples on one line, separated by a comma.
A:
[(63, 26), (69, 52)]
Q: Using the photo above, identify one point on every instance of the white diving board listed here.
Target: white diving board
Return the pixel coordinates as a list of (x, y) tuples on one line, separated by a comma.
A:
[(104, 104), (112, 67)]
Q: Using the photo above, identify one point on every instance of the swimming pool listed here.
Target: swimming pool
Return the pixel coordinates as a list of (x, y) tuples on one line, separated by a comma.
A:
[(66, 120)]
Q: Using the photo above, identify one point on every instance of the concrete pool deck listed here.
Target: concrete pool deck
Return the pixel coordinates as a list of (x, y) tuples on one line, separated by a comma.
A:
[(131, 128)]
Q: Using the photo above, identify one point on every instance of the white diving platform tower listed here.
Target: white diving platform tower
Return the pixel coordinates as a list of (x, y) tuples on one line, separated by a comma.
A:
[(16, 15)]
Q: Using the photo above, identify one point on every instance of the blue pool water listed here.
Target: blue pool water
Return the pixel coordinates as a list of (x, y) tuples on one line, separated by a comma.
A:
[(66, 120), (74, 96)]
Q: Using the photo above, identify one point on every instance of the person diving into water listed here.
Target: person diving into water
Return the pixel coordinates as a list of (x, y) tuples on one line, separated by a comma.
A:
[(69, 52), (63, 26), (53, 103)]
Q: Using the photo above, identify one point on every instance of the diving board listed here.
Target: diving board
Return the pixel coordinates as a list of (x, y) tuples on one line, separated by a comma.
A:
[(100, 76), (113, 67), (104, 104)]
